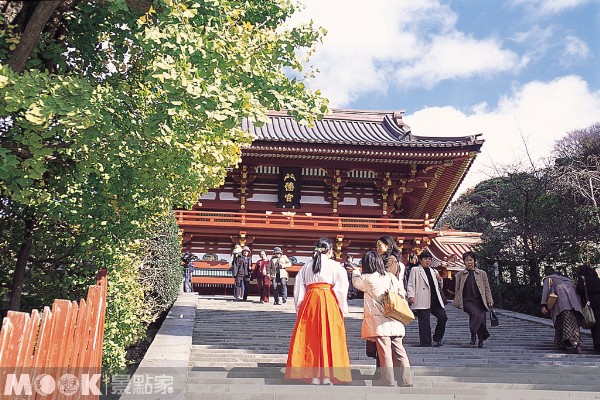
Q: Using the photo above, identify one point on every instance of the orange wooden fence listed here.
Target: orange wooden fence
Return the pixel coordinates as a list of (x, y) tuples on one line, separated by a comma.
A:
[(56, 354)]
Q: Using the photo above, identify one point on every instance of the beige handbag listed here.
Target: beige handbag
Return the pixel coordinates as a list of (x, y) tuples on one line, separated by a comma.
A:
[(395, 306), (552, 297)]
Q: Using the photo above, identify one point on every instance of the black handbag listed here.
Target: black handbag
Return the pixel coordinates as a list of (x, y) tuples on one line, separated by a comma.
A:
[(371, 349), (493, 318), (589, 318)]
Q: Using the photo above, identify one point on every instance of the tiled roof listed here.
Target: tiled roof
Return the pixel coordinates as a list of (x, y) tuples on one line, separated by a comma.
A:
[(352, 127)]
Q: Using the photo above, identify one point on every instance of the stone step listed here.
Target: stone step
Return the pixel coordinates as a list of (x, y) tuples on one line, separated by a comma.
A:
[(254, 377), (277, 392), (239, 352)]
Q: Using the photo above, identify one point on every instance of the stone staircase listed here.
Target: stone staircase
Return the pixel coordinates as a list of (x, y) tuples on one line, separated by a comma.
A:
[(239, 350)]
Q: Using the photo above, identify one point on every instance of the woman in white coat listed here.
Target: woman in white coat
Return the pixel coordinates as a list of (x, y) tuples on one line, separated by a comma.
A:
[(387, 333)]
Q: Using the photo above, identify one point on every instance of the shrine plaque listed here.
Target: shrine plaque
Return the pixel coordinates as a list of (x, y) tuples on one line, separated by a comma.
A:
[(289, 185)]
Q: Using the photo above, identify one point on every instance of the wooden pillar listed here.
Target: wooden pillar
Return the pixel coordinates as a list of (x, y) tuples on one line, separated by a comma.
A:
[(336, 179), (384, 183), (338, 246), (244, 178)]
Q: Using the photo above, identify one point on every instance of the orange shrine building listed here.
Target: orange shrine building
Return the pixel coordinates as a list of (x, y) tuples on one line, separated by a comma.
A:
[(354, 176)]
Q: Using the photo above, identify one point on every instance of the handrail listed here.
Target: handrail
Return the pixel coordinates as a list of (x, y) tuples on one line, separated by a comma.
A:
[(299, 221)]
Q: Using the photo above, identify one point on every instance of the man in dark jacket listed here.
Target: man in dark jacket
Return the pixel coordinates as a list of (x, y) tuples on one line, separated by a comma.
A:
[(247, 262), (238, 272)]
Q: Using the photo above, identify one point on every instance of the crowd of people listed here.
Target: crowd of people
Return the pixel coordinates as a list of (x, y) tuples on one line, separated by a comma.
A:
[(318, 353)]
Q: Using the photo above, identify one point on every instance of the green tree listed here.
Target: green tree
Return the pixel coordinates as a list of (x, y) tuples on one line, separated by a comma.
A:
[(536, 218), (525, 223), (112, 112)]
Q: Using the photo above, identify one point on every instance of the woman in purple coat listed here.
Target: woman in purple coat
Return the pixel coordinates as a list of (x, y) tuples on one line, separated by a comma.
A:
[(566, 312)]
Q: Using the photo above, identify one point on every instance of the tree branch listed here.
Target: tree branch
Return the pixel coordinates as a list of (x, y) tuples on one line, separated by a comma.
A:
[(143, 6), (31, 34)]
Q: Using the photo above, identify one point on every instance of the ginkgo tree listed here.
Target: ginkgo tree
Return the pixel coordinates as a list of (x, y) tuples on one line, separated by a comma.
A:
[(114, 111)]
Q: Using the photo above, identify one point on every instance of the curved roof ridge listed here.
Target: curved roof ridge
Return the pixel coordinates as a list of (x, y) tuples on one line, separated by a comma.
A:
[(352, 127)]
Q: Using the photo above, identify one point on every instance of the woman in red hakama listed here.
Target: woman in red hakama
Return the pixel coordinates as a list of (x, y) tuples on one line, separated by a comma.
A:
[(318, 352)]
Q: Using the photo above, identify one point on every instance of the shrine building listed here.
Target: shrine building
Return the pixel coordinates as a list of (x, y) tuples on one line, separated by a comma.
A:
[(353, 177)]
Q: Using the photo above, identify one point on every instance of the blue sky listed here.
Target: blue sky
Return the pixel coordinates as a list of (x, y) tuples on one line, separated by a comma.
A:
[(522, 72)]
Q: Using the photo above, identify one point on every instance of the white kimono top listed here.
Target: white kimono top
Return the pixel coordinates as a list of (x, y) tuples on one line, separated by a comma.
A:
[(332, 272)]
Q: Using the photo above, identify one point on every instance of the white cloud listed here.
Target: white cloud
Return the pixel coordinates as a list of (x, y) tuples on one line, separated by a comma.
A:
[(568, 50), (575, 51), (549, 7), (457, 56), (398, 43), (538, 40), (537, 113)]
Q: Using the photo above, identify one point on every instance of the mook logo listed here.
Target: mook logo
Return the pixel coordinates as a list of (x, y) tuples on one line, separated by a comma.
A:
[(45, 385)]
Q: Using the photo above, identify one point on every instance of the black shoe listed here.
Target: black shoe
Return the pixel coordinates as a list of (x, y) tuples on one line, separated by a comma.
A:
[(284, 300), (424, 345), (576, 349), (277, 303), (480, 344), (439, 344), (473, 338)]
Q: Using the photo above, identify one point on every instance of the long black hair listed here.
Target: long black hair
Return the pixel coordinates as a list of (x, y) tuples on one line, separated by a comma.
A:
[(392, 248), (323, 246), (372, 262)]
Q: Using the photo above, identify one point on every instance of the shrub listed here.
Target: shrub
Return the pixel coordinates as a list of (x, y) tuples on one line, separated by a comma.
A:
[(520, 298), (143, 282), (161, 270)]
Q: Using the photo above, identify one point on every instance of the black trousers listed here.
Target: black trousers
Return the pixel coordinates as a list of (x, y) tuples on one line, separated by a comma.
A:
[(424, 317), (274, 284), (246, 288)]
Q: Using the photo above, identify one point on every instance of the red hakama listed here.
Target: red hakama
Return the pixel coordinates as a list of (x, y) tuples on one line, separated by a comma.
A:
[(318, 347)]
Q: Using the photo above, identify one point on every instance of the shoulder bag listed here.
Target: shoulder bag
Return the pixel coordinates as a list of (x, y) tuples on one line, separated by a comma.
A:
[(395, 306), (552, 297), (589, 319)]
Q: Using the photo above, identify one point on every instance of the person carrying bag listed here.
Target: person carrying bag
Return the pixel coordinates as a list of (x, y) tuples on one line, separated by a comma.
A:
[(588, 288), (383, 330)]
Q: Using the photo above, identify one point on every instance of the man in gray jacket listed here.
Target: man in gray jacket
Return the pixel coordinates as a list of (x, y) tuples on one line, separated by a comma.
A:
[(423, 293), (279, 276)]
